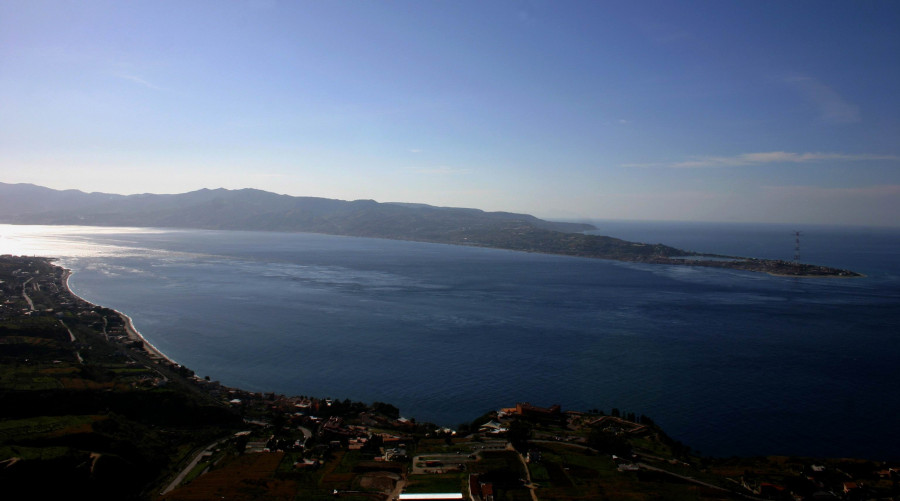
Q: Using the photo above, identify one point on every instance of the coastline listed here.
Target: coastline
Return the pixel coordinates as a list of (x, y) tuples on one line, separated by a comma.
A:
[(130, 330), (195, 417), (574, 245), (784, 275)]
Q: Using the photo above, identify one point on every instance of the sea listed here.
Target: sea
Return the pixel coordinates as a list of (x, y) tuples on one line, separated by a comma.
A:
[(728, 362)]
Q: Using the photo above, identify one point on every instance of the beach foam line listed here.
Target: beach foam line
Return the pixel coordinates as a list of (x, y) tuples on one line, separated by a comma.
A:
[(130, 330)]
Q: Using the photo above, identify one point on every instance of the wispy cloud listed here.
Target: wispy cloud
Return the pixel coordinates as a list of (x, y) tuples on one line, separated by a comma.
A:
[(664, 33), (765, 158), (525, 17), (890, 190), (138, 80), (832, 107), (442, 171)]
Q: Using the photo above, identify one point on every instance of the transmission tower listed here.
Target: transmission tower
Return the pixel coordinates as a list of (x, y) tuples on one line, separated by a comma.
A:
[(796, 247)]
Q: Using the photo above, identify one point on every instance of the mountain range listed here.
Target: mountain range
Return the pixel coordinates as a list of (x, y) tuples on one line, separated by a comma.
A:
[(251, 209), (257, 210)]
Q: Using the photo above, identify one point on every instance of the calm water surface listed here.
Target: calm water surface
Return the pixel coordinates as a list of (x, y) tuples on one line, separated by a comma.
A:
[(728, 362)]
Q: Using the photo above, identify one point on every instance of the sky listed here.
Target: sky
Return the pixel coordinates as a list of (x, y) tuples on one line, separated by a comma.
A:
[(735, 111)]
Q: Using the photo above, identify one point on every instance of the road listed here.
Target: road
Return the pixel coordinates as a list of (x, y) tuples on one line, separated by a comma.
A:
[(529, 484), (27, 299), (695, 481), (398, 488), (187, 469), (72, 339), (646, 466), (307, 434)]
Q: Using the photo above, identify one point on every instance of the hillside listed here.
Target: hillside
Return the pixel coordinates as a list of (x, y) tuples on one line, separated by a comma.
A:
[(250, 209), (81, 401)]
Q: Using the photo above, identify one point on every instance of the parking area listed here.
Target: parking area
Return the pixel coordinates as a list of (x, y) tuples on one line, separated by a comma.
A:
[(437, 463)]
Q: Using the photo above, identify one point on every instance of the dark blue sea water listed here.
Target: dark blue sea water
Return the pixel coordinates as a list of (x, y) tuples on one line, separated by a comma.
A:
[(728, 362)]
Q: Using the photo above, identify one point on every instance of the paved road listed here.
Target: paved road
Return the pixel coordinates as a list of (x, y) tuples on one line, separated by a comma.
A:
[(180, 478), (660, 470), (28, 299), (529, 484), (695, 481), (398, 488), (72, 339), (307, 434)]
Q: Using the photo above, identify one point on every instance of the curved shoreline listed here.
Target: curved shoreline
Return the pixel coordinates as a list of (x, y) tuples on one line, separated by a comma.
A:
[(130, 330)]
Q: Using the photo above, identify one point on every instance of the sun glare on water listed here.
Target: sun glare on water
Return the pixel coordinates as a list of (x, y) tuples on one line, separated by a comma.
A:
[(64, 241)]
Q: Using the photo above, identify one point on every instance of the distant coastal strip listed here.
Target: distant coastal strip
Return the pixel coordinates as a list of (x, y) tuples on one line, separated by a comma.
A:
[(256, 210), (772, 267)]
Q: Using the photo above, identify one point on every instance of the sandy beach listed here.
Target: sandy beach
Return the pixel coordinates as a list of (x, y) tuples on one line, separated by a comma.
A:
[(130, 330)]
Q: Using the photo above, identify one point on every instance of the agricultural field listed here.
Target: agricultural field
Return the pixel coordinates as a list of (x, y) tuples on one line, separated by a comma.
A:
[(568, 472)]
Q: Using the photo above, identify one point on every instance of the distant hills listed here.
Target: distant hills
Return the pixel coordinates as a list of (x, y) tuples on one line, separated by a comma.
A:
[(250, 209), (258, 210)]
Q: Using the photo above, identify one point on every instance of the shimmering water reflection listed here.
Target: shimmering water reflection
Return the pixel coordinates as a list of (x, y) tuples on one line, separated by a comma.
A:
[(729, 362)]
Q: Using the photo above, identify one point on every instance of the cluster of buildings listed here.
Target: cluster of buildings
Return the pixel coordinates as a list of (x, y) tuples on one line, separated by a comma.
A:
[(819, 482)]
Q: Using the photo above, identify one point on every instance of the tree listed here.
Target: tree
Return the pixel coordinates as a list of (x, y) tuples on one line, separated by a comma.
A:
[(604, 441), (518, 435), (386, 409)]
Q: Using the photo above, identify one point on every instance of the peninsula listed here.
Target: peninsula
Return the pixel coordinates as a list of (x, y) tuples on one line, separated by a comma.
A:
[(256, 210)]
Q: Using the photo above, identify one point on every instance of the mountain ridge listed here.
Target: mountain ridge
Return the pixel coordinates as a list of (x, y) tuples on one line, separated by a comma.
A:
[(251, 209), (257, 210)]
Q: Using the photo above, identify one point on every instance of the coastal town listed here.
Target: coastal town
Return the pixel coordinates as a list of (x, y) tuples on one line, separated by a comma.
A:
[(87, 401)]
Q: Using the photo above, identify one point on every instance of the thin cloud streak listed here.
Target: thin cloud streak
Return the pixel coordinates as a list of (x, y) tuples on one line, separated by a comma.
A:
[(138, 80), (832, 108), (765, 158), (443, 171), (818, 191)]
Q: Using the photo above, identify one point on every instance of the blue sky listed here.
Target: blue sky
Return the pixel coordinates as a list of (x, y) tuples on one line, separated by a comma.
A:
[(709, 111)]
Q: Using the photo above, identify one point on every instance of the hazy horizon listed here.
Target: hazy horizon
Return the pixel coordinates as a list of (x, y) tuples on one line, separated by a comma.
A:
[(648, 111), (579, 219)]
